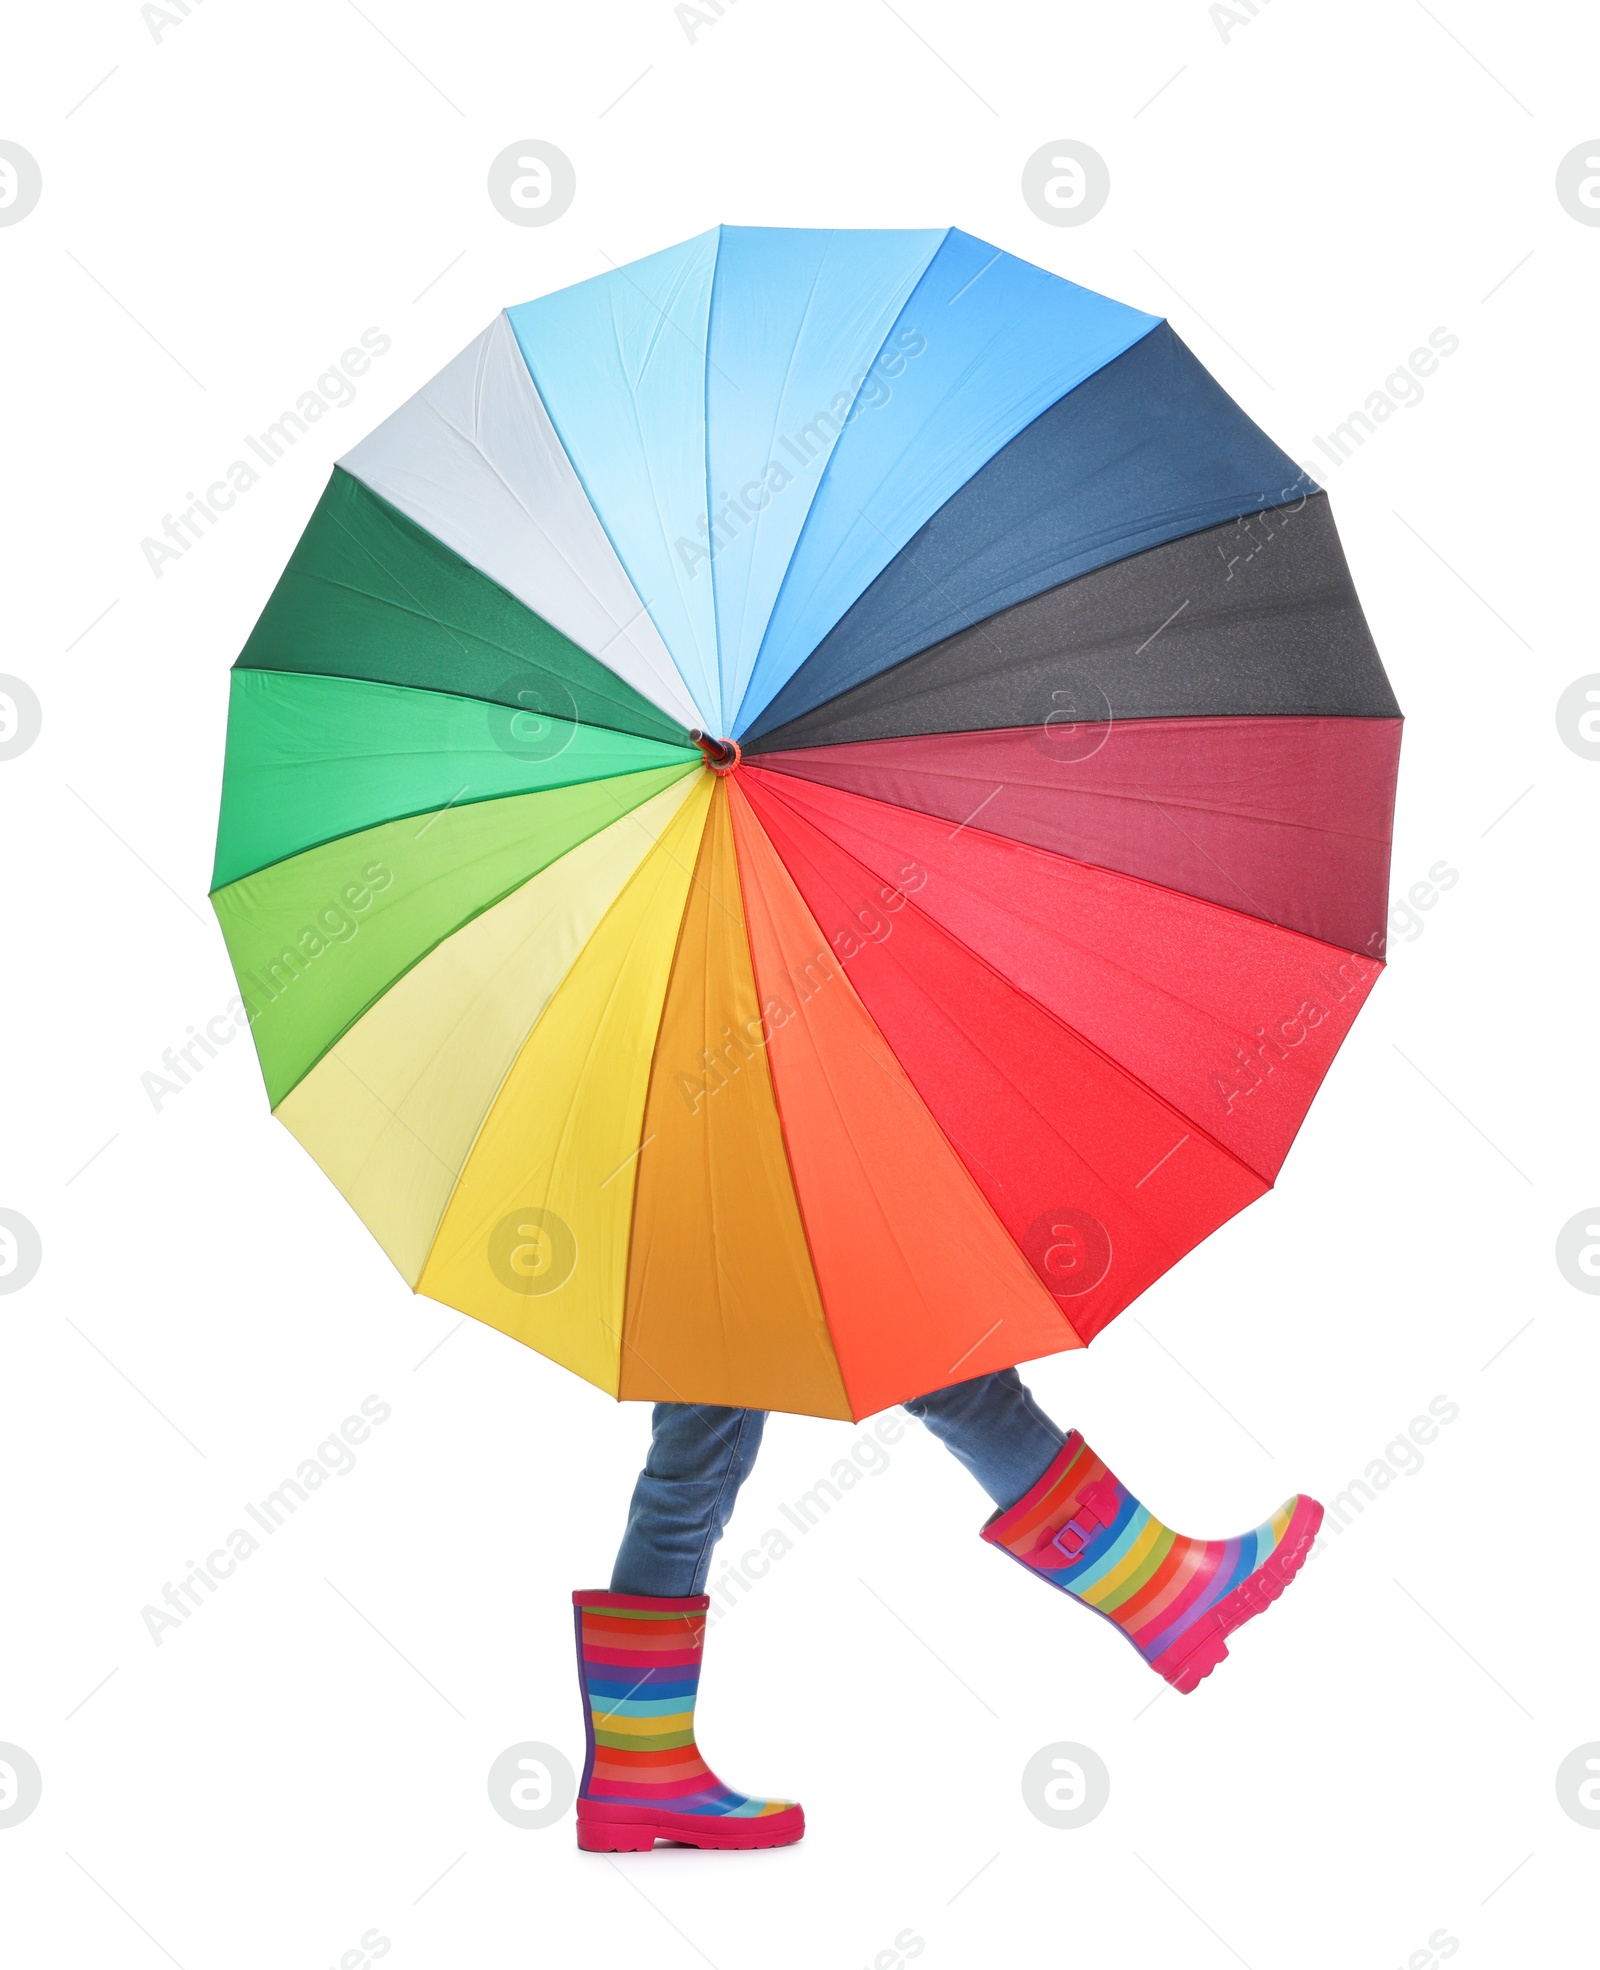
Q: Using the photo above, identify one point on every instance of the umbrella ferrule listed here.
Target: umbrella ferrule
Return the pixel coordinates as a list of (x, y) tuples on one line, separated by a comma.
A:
[(721, 755)]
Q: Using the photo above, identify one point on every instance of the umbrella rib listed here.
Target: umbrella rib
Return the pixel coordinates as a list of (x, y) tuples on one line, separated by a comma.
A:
[(980, 628), (778, 399), (423, 613), (761, 762), (620, 1333), (657, 841), (1029, 1103), (959, 615), (334, 1053), (908, 1090), (618, 630), (668, 320), (688, 868)]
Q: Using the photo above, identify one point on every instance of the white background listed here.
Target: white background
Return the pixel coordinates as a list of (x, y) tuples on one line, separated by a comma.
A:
[(305, 1759)]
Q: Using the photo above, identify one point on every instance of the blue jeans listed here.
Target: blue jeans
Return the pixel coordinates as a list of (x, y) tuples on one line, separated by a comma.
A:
[(700, 1455)]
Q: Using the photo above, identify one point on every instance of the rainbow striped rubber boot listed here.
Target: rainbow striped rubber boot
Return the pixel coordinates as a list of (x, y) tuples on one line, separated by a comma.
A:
[(1176, 1599), (643, 1779)]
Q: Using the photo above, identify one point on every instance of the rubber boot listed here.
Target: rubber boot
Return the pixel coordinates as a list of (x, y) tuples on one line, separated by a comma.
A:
[(1176, 1599), (643, 1779)]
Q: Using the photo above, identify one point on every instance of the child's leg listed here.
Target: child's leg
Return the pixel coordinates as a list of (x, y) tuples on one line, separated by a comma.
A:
[(1075, 1524), (994, 1426), (699, 1456), (640, 1648)]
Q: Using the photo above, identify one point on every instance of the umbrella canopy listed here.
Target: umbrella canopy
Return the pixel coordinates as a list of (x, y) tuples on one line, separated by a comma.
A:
[(806, 818)]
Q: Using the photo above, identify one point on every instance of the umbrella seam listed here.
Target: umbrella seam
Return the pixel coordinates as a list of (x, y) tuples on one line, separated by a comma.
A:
[(412, 963), (499, 1092), (415, 813), (822, 478), (1124, 875), (964, 1173)]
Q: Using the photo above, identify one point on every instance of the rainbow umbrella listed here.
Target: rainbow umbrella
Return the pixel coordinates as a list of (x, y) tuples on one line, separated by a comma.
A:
[(806, 818)]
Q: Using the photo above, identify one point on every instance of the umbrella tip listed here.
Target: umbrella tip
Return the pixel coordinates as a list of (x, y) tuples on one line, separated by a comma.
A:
[(721, 755)]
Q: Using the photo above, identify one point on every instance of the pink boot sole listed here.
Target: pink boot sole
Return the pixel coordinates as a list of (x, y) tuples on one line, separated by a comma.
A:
[(1198, 1651), (607, 1829)]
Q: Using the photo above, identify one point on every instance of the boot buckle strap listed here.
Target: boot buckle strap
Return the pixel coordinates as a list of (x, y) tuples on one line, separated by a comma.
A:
[(1097, 1511)]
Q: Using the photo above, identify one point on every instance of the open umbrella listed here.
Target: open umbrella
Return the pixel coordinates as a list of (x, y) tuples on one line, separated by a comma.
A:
[(806, 818)]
